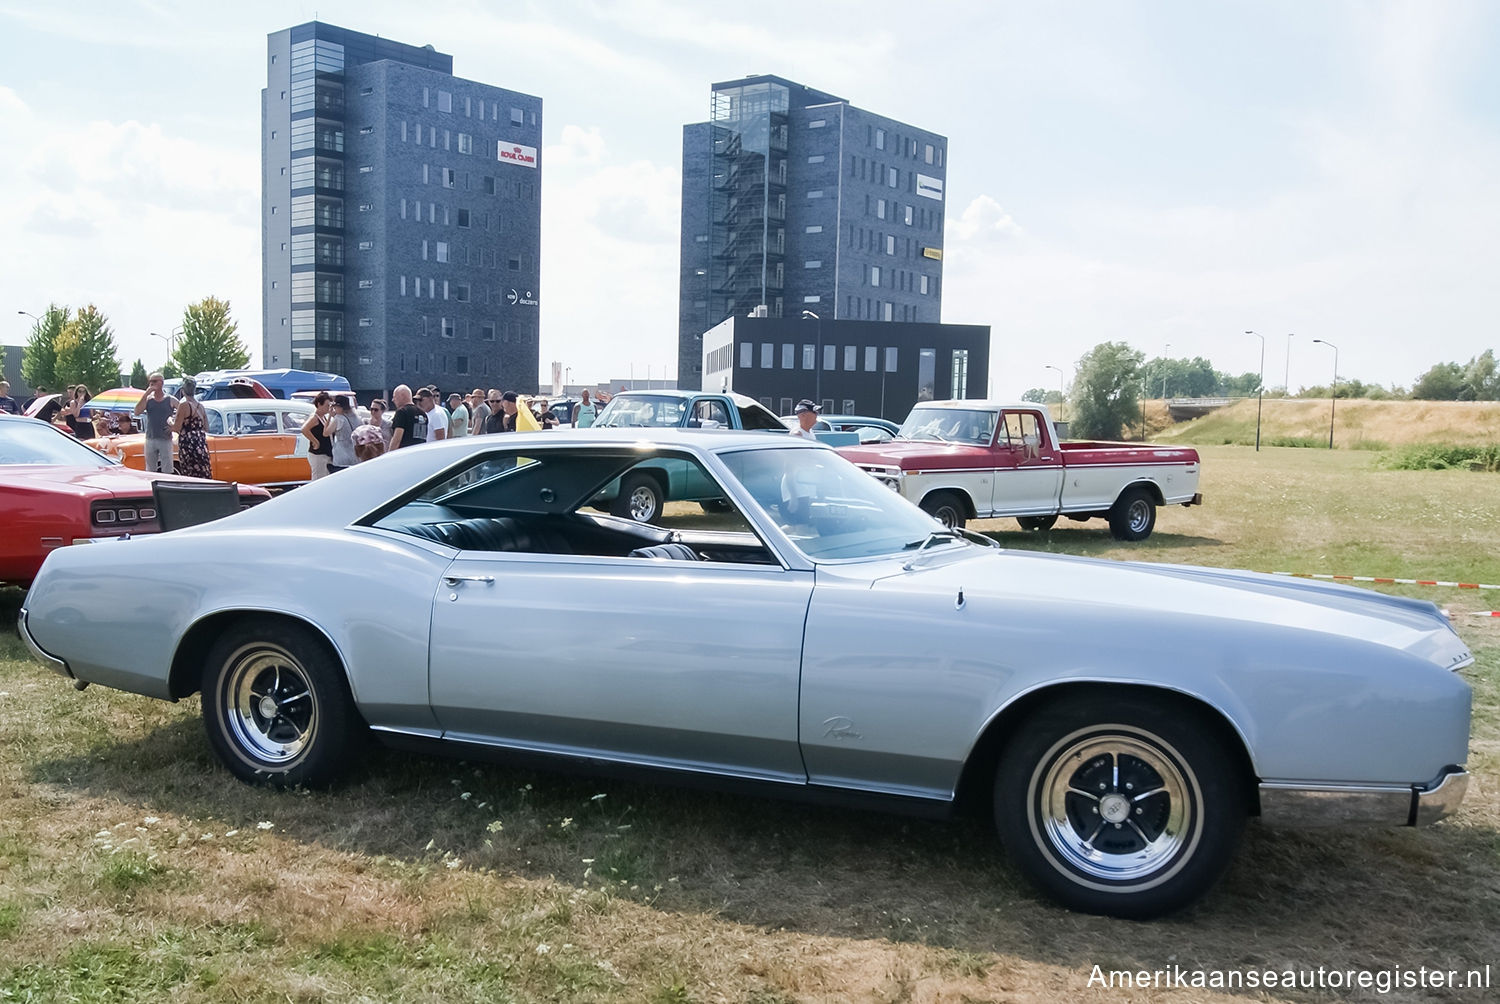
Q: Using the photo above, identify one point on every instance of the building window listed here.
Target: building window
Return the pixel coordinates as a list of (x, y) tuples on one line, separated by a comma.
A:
[(927, 153), (814, 229), (874, 275), (960, 374), (461, 293), (871, 357), (700, 238), (442, 251), (426, 98), (788, 356), (880, 209), (767, 355), (891, 176), (747, 355), (880, 139), (830, 357), (461, 363), (513, 263), (889, 313), (465, 143), (449, 177), (812, 263), (890, 244), (463, 218), (426, 180), (487, 332), (890, 360), (403, 285), (851, 358), (445, 101), (809, 357), (817, 123), (816, 193), (922, 282), (517, 117), (424, 250), (910, 215), (816, 158), (812, 298), (849, 408), (489, 185)]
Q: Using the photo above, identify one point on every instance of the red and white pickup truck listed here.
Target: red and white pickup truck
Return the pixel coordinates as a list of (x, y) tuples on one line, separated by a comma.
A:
[(962, 460)]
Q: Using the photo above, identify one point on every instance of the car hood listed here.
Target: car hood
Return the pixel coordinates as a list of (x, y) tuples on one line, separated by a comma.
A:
[(91, 482), (1186, 605), (906, 453)]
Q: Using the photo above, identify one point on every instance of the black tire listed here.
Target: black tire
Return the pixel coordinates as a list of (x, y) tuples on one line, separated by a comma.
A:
[(1037, 523), (1169, 845), (947, 508), (640, 498), (1133, 516), (277, 706)]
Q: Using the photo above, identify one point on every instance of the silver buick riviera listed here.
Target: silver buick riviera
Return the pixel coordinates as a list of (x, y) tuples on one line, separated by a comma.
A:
[(807, 632)]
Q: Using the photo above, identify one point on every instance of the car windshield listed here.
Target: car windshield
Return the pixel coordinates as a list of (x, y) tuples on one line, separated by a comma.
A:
[(830, 508), (950, 425), (29, 441), (642, 411)]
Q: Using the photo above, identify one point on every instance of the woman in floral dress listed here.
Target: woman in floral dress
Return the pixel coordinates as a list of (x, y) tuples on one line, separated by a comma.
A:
[(192, 438)]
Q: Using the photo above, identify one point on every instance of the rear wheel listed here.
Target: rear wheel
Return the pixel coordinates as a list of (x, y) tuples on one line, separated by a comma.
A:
[(277, 706), (947, 508), (1037, 522), (1133, 516), (1127, 807), (640, 498)]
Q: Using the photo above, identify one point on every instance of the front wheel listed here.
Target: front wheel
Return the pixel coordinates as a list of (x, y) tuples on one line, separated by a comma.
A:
[(1125, 807), (1133, 516), (1037, 523), (640, 498), (947, 508), (277, 706)]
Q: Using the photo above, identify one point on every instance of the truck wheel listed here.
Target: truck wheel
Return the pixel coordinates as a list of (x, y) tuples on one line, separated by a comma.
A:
[(639, 499), (947, 508), (1126, 807), (1042, 523), (1133, 516)]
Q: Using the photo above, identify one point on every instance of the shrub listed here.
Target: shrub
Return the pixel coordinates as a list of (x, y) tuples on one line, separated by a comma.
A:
[(1432, 457)]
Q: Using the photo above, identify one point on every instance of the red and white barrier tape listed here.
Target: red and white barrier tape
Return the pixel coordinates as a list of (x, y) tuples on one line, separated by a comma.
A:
[(1484, 613), (1389, 582)]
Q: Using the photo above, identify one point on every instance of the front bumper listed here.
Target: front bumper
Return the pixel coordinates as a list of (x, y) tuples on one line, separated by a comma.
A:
[(52, 662), (1287, 803)]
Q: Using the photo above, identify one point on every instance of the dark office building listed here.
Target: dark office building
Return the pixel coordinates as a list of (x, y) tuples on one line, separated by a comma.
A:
[(878, 368), (401, 216), (795, 200)]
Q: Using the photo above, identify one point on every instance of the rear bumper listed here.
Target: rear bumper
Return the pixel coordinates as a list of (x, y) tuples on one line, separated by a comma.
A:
[(1197, 499), (52, 662), (1293, 804)]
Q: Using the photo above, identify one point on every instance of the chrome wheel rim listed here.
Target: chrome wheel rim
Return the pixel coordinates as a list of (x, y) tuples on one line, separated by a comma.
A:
[(1138, 515), (1117, 807), (642, 504), (947, 515), (269, 704)]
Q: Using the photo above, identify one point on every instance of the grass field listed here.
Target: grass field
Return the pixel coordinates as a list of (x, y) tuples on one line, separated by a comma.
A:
[(1358, 424), (132, 868)]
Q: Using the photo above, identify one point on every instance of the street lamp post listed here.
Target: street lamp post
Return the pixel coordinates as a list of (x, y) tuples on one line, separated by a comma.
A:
[(1164, 349), (171, 340), (1333, 393), (1260, 398), (1061, 394), (29, 314), (1286, 378), (818, 364)]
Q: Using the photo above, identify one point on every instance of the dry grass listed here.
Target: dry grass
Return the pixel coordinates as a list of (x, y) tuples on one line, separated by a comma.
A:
[(132, 868), (1358, 424)]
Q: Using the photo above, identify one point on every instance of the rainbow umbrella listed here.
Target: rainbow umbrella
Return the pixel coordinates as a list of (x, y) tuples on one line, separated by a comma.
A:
[(119, 399)]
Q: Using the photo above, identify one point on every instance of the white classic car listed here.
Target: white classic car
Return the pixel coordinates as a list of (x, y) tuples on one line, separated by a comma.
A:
[(821, 638)]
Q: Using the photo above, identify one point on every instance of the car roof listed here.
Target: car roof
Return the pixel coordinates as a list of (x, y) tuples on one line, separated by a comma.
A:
[(980, 405), (257, 404)]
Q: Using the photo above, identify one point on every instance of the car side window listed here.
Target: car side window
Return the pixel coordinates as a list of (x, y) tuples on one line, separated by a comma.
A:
[(291, 421), (710, 414), (249, 423), (215, 422), (755, 416)]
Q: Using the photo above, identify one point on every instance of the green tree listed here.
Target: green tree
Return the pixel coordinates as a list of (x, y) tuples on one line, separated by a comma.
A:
[(1441, 383), (39, 357), (1034, 396), (1105, 391), (169, 370), (1244, 385), (138, 375), (86, 351), (208, 339), (1481, 382)]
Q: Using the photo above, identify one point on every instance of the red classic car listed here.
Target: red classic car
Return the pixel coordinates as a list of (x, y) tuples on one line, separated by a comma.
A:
[(55, 491)]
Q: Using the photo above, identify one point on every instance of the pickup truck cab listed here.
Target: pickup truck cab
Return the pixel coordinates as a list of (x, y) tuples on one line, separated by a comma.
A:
[(643, 490), (962, 460)]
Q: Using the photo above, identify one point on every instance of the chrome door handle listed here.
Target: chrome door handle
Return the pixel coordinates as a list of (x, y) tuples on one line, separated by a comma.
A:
[(454, 580)]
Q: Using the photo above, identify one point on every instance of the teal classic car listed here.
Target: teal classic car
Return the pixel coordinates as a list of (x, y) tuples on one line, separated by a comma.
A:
[(642, 491)]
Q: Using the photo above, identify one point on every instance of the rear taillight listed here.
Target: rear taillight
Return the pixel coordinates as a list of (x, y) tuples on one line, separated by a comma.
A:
[(122, 513)]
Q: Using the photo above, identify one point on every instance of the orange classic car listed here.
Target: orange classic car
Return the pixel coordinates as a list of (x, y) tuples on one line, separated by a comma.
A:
[(253, 441)]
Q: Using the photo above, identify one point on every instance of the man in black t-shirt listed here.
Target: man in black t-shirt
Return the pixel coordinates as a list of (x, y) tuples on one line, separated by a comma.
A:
[(409, 423), (504, 418)]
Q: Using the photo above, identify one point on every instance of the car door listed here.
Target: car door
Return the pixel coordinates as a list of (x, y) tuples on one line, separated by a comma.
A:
[(672, 663), (1028, 467)]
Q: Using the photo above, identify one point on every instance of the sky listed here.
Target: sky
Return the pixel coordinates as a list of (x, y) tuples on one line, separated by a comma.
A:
[(1169, 174)]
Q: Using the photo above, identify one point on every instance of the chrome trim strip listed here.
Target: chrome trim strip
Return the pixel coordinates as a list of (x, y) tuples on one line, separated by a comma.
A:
[(50, 661), (1441, 798), (1284, 803)]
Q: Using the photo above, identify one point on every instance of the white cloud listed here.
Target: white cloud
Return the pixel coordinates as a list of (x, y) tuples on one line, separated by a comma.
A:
[(983, 219)]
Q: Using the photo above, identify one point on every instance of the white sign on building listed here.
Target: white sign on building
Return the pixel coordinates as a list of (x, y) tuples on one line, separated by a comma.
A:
[(525, 156), (931, 188)]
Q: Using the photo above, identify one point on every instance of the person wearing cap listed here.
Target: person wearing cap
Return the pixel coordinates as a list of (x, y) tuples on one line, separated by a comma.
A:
[(808, 422), (458, 416), (503, 418)]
